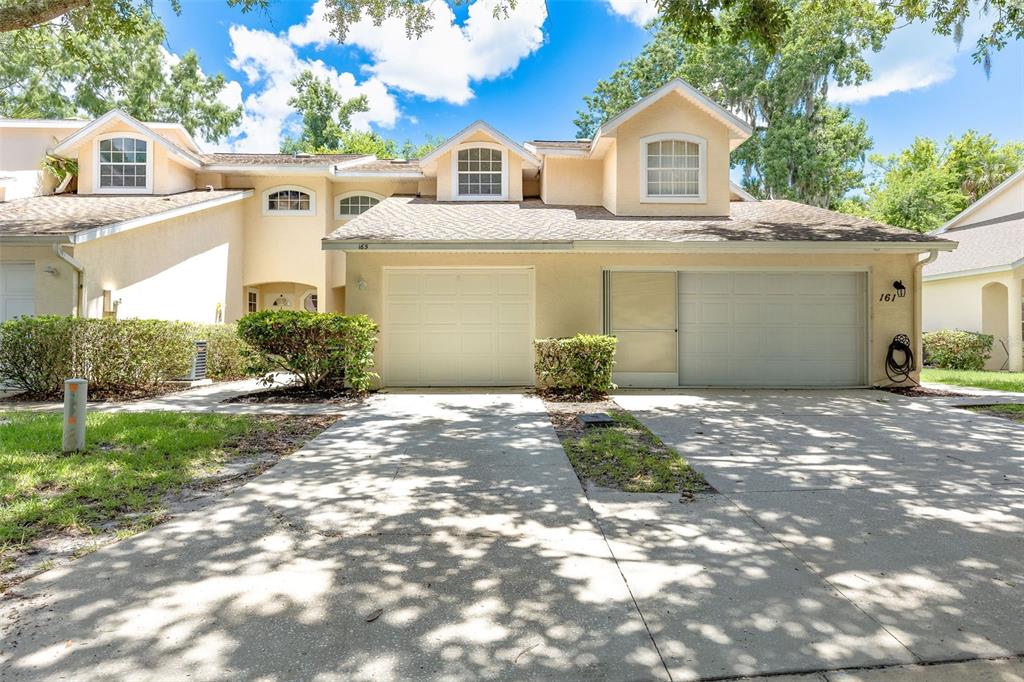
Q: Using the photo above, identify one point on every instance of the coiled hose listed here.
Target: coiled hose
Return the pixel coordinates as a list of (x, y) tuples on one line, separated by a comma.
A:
[(899, 370)]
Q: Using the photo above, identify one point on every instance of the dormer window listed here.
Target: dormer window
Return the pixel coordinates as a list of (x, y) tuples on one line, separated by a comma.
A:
[(123, 165), (674, 168), (480, 172), (351, 204), (289, 201)]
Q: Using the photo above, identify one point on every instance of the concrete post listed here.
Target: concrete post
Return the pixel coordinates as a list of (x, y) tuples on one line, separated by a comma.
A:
[(1016, 342), (76, 392)]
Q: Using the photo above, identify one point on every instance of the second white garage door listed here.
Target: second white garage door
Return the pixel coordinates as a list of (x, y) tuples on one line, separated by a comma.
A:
[(17, 290), (458, 327), (772, 328)]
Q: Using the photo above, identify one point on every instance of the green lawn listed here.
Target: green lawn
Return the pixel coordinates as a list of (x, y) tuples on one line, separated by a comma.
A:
[(627, 456), (1000, 381), (130, 462), (1012, 412)]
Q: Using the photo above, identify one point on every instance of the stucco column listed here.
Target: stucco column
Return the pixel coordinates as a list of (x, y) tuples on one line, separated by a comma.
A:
[(1016, 343)]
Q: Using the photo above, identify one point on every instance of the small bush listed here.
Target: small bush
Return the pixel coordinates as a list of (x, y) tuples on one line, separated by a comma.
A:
[(579, 366), (956, 349), (117, 357), (318, 348), (226, 353)]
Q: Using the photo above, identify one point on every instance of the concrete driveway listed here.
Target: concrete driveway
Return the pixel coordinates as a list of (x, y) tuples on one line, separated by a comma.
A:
[(850, 525), (446, 537)]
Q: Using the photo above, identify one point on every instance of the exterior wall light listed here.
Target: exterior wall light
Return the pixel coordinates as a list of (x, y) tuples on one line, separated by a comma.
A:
[(361, 285)]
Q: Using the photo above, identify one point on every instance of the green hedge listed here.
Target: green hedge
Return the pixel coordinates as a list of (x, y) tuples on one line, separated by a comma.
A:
[(956, 349), (318, 348), (117, 357), (578, 366)]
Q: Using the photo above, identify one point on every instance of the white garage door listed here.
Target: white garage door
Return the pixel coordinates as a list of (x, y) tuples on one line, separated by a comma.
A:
[(458, 327), (17, 290), (772, 328)]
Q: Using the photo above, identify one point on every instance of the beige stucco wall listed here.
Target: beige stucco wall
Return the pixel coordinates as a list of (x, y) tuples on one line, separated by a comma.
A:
[(1009, 200), (55, 294), (22, 151), (962, 303), (569, 286), (572, 182), (671, 114), (178, 269)]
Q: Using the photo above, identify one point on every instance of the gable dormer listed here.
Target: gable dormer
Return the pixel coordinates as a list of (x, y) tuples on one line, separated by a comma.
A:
[(667, 155), (479, 163), (118, 154)]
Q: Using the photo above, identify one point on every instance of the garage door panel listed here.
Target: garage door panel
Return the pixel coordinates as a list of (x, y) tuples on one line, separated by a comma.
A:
[(470, 327), (774, 329), (17, 290)]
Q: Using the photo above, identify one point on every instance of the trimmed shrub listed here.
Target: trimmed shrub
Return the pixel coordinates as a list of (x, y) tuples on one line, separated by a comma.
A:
[(579, 366), (318, 348), (957, 349), (226, 353), (117, 357)]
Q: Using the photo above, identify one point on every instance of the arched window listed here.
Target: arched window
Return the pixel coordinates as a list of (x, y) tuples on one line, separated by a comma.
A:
[(480, 172), (674, 167), (289, 200), (124, 164), (351, 204)]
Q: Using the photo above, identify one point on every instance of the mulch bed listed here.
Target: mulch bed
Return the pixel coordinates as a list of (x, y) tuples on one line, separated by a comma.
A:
[(922, 392), (102, 396), (295, 394)]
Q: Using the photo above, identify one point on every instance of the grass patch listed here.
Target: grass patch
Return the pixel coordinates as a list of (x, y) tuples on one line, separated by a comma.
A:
[(998, 381), (627, 456), (1011, 412), (131, 461)]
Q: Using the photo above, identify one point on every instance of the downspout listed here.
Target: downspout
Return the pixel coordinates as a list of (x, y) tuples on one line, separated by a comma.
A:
[(78, 282), (918, 289)]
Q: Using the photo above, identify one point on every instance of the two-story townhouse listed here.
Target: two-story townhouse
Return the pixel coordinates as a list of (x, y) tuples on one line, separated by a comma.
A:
[(466, 255)]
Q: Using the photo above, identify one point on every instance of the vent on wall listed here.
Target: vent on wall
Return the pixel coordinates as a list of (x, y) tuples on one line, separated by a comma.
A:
[(198, 371)]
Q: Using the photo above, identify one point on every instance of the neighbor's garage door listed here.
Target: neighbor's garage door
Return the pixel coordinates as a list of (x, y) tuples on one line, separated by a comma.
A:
[(458, 327), (17, 290), (772, 328)]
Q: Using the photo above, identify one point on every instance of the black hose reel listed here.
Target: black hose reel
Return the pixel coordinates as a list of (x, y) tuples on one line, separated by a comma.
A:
[(899, 360)]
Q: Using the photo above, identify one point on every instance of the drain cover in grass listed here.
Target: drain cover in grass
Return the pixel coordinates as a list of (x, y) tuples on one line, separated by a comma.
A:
[(596, 419)]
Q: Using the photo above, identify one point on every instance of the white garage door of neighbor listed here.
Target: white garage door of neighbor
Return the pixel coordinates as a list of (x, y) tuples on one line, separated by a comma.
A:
[(458, 327), (772, 328), (17, 290)]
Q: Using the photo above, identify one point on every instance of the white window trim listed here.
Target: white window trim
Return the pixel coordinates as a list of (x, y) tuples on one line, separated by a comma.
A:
[(306, 294), (252, 290), (702, 175), (455, 172), (279, 188), (97, 189), (355, 193)]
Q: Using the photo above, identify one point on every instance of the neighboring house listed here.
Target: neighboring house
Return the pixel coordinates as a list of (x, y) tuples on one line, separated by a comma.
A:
[(467, 255), (978, 287)]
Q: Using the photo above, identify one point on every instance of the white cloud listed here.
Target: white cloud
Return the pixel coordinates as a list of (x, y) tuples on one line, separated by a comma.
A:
[(270, 63), (913, 58), (640, 12), (449, 57)]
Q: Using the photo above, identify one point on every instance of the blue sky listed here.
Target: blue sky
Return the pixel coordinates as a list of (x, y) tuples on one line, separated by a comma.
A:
[(527, 75)]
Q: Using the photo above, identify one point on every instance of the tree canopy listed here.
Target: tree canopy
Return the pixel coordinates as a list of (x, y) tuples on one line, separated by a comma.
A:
[(327, 124), (802, 148), (926, 184), (87, 73)]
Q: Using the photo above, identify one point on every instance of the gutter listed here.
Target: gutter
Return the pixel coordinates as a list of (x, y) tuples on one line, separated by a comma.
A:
[(918, 290), (616, 246), (77, 283)]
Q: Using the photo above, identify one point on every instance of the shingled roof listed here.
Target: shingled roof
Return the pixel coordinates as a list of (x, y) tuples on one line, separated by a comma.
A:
[(994, 243), (65, 214), (315, 160), (415, 219)]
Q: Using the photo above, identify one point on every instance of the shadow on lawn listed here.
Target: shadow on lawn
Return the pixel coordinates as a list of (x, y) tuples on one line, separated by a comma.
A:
[(447, 536)]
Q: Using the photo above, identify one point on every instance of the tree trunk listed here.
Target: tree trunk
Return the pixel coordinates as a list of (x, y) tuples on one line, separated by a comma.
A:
[(28, 13)]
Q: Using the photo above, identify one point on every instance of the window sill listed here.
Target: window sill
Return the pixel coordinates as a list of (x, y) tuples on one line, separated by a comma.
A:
[(480, 197), (673, 200)]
